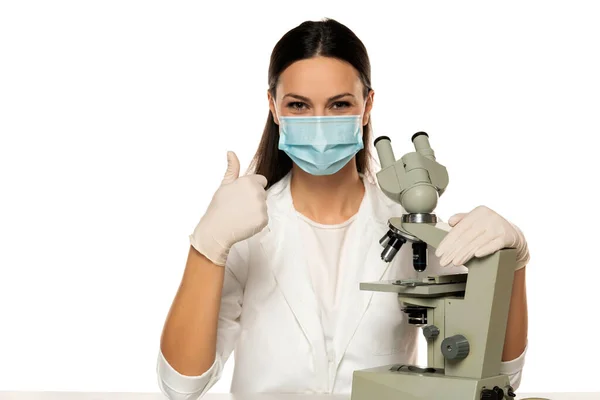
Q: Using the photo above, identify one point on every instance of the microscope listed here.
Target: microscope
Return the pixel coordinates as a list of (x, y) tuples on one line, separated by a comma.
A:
[(463, 316)]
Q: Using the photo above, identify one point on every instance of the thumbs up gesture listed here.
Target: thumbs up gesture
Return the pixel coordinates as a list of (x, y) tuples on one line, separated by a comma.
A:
[(237, 211)]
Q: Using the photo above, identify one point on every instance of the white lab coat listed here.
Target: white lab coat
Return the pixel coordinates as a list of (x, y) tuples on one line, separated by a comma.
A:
[(270, 317)]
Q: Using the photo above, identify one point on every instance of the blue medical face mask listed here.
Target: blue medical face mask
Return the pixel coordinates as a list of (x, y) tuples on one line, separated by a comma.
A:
[(321, 145)]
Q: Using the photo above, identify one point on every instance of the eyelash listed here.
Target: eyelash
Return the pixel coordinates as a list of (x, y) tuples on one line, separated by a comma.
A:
[(293, 104)]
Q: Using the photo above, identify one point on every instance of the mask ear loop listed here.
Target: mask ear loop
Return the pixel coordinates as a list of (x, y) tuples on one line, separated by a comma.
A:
[(276, 113), (365, 106), (372, 161)]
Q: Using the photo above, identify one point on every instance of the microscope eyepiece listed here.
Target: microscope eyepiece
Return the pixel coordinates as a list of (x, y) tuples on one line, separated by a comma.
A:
[(422, 146), (412, 139), (381, 138), (383, 145)]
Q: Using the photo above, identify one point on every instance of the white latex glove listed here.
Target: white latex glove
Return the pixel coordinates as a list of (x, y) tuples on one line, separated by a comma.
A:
[(478, 234), (237, 211)]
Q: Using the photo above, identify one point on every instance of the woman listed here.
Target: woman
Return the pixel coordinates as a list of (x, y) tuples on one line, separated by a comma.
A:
[(275, 262)]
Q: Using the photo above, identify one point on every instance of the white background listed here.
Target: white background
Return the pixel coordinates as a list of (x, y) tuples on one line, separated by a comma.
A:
[(115, 119)]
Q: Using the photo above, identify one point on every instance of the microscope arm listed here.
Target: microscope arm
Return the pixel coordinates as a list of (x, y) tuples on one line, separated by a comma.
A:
[(427, 233)]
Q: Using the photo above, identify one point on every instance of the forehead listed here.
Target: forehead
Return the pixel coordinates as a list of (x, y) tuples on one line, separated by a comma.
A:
[(319, 77)]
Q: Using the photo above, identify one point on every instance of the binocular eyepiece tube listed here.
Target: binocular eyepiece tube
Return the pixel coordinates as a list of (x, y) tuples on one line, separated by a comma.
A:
[(422, 146), (383, 145), (385, 152)]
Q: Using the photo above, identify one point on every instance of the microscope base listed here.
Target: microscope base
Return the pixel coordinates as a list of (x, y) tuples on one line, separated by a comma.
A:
[(382, 383)]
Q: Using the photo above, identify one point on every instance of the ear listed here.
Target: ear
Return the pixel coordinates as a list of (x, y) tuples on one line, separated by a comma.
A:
[(368, 107), (272, 107)]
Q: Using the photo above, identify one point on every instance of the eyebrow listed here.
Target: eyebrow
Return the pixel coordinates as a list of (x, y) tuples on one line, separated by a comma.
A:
[(306, 99)]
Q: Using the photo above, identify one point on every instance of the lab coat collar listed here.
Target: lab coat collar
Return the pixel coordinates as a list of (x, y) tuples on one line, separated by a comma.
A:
[(282, 248), (282, 244)]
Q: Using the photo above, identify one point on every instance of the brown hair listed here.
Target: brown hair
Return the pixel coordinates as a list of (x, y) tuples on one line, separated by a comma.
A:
[(327, 38)]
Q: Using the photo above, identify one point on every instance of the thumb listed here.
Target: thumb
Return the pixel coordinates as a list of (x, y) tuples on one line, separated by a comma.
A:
[(233, 168), (260, 179), (456, 218)]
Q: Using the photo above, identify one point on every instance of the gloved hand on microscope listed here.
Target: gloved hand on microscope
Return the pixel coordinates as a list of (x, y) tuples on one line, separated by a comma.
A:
[(479, 233)]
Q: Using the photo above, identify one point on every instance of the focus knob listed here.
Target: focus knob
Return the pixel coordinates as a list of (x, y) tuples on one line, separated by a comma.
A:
[(492, 394), (455, 347), (431, 332)]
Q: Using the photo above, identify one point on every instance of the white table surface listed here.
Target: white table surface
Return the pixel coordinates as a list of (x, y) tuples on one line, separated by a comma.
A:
[(228, 396)]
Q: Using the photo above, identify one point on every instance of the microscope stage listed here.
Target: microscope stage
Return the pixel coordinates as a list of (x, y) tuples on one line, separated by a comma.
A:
[(434, 286)]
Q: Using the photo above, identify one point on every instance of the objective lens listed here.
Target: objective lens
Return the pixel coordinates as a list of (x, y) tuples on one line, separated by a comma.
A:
[(383, 241), (394, 244), (420, 256)]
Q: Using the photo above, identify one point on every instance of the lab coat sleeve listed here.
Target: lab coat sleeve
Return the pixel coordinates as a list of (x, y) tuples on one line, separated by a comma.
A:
[(514, 369), (176, 386)]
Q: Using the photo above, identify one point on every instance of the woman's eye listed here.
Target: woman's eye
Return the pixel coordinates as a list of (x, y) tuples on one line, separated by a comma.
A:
[(296, 105), (341, 104)]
